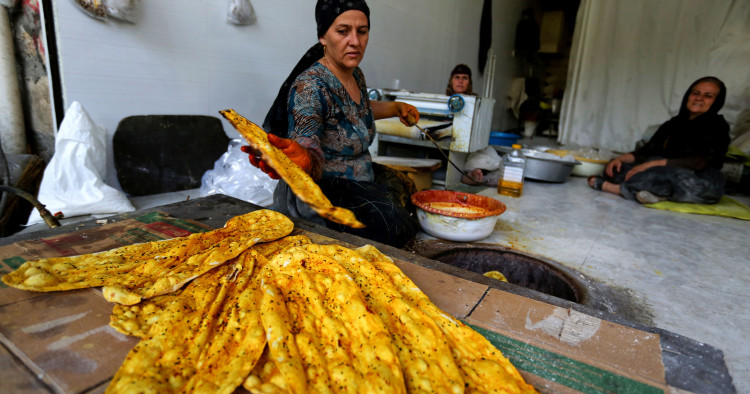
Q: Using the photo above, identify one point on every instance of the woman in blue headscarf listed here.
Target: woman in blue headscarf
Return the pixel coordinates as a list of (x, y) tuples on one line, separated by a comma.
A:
[(682, 161), (324, 121)]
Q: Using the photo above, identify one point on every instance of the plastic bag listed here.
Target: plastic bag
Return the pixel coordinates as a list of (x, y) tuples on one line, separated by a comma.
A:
[(240, 12), (73, 180), (485, 159), (234, 176), (124, 10)]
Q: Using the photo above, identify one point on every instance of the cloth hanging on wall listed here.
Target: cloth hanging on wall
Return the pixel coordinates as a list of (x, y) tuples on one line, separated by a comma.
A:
[(632, 60), (517, 96)]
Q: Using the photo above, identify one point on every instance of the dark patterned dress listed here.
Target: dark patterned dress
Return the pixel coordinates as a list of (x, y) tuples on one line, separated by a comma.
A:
[(338, 132), (331, 125)]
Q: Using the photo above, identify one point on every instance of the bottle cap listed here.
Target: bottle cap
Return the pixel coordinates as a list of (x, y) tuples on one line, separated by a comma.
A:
[(516, 146)]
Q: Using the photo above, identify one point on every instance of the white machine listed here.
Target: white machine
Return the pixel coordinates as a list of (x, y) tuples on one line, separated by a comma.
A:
[(462, 122)]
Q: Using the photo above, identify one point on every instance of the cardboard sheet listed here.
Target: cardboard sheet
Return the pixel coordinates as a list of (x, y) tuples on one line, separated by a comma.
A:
[(556, 346)]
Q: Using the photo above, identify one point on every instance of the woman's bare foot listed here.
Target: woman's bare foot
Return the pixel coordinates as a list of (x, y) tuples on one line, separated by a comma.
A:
[(610, 187), (598, 183), (595, 182), (475, 177)]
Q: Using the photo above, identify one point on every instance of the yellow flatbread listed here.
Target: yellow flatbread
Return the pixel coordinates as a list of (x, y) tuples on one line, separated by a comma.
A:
[(423, 351), (135, 320), (482, 366), (207, 340), (135, 272), (496, 275), (321, 333), (301, 184), (265, 378)]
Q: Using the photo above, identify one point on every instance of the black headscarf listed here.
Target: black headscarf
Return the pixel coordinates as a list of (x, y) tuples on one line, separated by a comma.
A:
[(691, 143), (326, 11), (718, 101)]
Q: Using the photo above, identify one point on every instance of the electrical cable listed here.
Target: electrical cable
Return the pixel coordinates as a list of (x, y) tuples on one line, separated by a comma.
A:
[(479, 183)]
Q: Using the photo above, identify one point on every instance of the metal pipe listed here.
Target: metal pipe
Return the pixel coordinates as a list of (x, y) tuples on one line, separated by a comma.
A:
[(48, 217)]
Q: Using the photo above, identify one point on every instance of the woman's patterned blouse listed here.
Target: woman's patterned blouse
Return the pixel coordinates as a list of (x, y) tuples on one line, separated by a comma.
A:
[(337, 131)]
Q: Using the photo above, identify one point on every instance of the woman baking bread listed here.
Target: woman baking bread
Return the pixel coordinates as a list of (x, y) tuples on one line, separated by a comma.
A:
[(324, 121)]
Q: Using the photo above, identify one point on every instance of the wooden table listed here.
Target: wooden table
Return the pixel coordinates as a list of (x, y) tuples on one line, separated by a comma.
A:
[(61, 341)]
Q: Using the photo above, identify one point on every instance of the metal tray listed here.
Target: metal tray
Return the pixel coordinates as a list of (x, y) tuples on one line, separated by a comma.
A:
[(546, 168)]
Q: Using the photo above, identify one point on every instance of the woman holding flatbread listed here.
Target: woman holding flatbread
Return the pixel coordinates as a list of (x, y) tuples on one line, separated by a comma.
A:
[(324, 121)]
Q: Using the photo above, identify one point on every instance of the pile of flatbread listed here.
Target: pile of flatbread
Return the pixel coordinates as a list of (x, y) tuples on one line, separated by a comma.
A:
[(250, 305)]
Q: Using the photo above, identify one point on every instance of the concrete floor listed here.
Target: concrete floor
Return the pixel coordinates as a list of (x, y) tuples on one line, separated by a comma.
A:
[(685, 273)]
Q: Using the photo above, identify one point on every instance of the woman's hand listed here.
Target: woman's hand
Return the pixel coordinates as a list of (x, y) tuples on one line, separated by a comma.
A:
[(616, 164), (645, 166), (293, 150), (407, 113)]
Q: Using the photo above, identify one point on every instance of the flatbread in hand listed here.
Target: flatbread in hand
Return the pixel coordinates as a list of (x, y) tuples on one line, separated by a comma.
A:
[(301, 184), (135, 272)]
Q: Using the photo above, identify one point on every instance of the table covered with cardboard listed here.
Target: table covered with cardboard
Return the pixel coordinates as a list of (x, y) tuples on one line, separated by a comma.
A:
[(62, 341)]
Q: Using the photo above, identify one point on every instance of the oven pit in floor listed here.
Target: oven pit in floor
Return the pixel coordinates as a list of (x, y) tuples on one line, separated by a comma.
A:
[(539, 278)]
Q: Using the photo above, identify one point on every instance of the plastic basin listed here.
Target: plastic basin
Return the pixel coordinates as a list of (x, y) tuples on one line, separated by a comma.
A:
[(503, 139)]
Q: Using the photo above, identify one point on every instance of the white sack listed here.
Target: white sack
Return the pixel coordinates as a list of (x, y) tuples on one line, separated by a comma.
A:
[(485, 159), (72, 182), (234, 176)]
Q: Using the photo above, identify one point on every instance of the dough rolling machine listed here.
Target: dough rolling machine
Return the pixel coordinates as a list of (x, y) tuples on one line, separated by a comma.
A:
[(460, 124)]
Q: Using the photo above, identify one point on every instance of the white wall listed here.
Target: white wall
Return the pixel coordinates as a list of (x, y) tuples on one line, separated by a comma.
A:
[(182, 57)]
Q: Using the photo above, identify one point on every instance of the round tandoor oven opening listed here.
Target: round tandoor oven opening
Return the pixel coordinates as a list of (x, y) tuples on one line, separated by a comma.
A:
[(519, 269)]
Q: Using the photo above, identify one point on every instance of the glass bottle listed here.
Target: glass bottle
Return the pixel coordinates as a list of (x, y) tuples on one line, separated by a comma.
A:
[(511, 184)]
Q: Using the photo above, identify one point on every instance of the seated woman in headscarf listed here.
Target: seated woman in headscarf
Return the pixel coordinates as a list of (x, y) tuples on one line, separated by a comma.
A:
[(459, 81), (324, 121), (682, 161)]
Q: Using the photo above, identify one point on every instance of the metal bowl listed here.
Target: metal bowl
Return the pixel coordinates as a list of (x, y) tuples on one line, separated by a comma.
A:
[(456, 216), (542, 166)]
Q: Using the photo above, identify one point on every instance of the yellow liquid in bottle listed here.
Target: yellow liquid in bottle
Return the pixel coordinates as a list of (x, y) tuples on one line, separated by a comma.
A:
[(510, 188)]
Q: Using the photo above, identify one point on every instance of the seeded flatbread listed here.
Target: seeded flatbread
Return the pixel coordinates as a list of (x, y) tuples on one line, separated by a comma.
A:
[(482, 366), (423, 351), (265, 378), (135, 320), (301, 184), (321, 333), (131, 273), (207, 340)]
